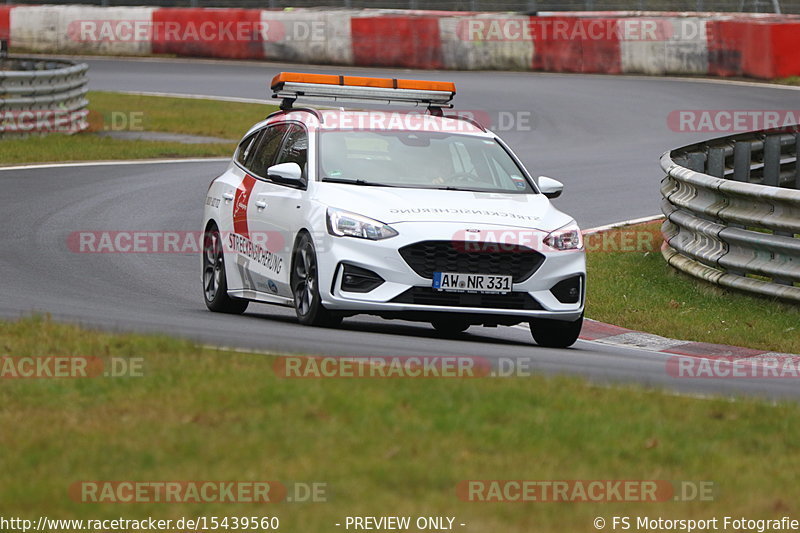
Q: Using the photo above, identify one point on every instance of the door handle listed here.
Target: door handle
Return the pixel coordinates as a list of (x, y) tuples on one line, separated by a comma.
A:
[(228, 196), (261, 204)]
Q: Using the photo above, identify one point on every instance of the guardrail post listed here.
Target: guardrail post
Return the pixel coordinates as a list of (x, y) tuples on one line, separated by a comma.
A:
[(797, 161), (772, 160), (716, 161), (772, 177), (696, 162), (742, 152)]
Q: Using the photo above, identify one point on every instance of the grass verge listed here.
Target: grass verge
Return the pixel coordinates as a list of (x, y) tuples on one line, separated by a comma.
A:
[(637, 289), (121, 112), (793, 80), (383, 446)]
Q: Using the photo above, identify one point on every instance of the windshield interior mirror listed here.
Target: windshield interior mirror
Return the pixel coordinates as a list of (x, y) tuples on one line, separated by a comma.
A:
[(550, 187), (287, 174)]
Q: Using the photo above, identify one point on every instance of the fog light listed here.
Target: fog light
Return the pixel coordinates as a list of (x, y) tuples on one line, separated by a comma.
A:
[(357, 279), (568, 291)]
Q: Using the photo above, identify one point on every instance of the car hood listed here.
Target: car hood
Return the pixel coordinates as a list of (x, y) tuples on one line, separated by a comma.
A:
[(395, 205)]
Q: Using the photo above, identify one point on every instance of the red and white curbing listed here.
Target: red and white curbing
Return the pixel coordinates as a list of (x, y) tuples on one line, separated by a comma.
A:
[(760, 46), (603, 333)]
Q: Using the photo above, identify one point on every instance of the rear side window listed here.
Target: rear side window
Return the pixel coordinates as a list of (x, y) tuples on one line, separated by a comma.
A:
[(245, 149)]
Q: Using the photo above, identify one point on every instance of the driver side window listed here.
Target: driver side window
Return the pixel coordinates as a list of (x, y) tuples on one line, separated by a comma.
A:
[(295, 148), (266, 149)]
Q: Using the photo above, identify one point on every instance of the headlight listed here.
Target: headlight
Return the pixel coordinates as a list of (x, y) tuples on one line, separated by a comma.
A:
[(346, 224), (568, 237)]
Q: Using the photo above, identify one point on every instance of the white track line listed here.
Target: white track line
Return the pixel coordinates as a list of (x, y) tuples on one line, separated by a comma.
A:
[(631, 222), (235, 99), (114, 163)]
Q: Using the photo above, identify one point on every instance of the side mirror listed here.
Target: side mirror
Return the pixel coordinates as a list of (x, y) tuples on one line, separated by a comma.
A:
[(550, 187), (287, 174)]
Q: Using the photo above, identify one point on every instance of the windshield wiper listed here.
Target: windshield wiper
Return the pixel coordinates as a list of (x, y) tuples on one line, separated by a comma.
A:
[(451, 188), (357, 182)]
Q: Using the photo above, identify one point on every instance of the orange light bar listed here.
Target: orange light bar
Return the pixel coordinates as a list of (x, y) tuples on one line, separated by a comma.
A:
[(359, 81)]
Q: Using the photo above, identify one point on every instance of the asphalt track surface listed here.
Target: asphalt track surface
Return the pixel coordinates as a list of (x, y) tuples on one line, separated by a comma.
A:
[(601, 135)]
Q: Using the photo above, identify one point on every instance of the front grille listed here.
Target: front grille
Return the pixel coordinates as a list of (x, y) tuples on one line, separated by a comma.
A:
[(428, 257), (429, 296)]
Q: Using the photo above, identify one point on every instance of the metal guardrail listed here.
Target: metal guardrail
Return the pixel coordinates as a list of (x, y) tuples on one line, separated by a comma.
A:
[(733, 211), (40, 96), (529, 6)]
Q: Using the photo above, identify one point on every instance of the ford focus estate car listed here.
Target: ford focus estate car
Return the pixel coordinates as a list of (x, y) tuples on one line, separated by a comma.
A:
[(405, 215)]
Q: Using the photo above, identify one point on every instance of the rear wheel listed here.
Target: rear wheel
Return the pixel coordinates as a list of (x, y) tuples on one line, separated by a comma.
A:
[(555, 333), (305, 287), (215, 284), (450, 326)]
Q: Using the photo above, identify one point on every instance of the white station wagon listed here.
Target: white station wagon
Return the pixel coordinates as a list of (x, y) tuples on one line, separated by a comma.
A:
[(412, 215)]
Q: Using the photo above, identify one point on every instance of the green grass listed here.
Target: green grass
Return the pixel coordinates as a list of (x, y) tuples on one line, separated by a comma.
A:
[(638, 290), (227, 120), (109, 111), (383, 446), (793, 80)]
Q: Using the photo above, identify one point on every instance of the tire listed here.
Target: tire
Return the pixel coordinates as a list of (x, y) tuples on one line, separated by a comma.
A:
[(215, 283), (304, 281), (555, 333), (450, 326)]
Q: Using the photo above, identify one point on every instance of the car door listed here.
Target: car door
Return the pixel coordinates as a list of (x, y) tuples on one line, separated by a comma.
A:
[(278, 209), (255, 250)]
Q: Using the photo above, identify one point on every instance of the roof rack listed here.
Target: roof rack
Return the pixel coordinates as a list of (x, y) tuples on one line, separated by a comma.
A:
[(466, 119), (311, 110), (291, 86)]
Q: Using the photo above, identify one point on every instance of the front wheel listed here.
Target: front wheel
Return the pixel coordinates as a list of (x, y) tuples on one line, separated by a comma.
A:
[(305, 287), (215, 284), (555, 333)]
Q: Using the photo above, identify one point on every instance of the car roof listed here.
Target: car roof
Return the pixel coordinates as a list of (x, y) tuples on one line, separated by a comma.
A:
[(376, 120)]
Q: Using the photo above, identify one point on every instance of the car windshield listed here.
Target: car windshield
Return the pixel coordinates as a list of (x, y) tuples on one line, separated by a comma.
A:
[(424, 160)]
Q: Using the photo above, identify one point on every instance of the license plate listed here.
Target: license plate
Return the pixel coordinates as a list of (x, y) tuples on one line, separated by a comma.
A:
[(455, 282)]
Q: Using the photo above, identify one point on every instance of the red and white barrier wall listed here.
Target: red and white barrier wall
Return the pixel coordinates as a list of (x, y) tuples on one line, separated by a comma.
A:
[(760, 46)]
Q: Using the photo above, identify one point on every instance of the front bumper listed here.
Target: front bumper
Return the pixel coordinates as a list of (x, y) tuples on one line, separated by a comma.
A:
[(383, 258)]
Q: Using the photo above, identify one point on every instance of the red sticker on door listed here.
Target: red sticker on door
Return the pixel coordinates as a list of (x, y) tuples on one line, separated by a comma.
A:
[(240, 205)]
